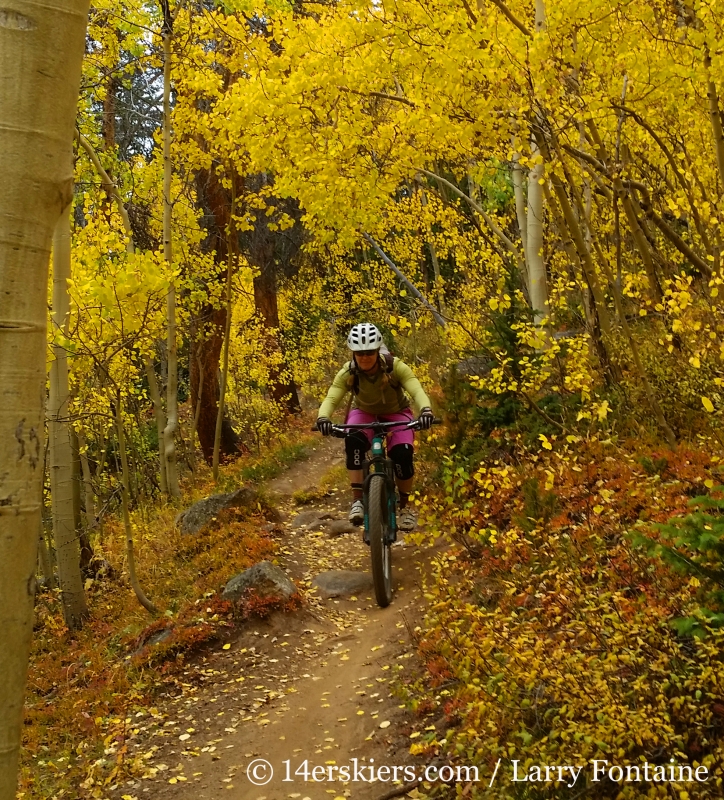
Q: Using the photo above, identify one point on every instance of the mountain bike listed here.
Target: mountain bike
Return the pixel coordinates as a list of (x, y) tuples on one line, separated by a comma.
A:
[(380, 502)]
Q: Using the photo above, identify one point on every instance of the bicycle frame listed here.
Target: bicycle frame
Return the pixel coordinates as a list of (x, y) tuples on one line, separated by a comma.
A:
[(378, 463)]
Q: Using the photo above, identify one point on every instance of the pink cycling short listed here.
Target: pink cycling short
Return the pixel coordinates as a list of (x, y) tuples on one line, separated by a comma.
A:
[(395, 436)]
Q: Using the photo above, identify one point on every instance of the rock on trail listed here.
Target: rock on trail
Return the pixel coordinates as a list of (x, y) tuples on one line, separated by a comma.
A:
[(264, 578)]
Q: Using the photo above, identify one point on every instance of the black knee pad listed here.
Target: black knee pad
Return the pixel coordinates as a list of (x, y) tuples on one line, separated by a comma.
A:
[(401, 455), (356, 445)]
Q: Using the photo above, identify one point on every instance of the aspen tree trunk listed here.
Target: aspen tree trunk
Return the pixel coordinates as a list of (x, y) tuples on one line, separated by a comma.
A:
[(231, 249), (197, 414), (281, 387), (44, 560), (160, 416), (41, 48), (169, 432), (90, 501), (520, 209), (86, 548), (716, 126), (538, 288), (67, 544), (208, 323)]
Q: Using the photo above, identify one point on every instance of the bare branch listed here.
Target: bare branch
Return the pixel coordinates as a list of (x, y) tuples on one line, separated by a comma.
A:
[(511, 17), (410, 285), (508, 243), (109, 186), (381, 95)]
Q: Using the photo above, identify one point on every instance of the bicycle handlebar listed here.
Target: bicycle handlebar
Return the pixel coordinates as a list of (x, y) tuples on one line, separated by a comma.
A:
[(340, 431)]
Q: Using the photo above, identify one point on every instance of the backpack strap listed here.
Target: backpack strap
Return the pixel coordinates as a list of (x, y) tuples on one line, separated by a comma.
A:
[(389, 365), (353, 378)]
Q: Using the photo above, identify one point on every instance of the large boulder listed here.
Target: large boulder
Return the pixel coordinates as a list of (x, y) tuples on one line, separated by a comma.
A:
[(193, 519), (338, 527), (310, 519), (265, 578), (342, 582)]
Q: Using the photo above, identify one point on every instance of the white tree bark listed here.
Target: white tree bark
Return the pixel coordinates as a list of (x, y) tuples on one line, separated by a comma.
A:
[(538, 285), (169, 433), (67, 545), (41, 48), (520, 207)]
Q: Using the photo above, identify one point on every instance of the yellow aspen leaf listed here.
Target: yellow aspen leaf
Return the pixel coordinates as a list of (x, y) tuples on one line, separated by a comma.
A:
[(708, 405)]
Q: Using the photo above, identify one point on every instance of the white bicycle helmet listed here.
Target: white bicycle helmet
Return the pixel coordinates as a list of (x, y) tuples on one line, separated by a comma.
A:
[(364, 336)]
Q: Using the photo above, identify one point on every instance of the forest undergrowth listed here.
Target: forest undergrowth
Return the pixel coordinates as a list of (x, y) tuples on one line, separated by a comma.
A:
[(552, 635), (90, 691)]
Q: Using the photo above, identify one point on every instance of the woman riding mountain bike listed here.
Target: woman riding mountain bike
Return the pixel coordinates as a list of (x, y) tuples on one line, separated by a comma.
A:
[(379, 385)]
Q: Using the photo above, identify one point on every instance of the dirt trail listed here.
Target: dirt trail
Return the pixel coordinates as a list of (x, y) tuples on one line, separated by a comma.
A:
[(311, 687)]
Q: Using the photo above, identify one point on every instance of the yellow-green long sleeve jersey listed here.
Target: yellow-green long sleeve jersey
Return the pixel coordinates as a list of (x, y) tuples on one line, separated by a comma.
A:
[(379, 394)]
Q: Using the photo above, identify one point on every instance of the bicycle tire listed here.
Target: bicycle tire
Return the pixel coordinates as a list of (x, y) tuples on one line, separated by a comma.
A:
[(380, 553)]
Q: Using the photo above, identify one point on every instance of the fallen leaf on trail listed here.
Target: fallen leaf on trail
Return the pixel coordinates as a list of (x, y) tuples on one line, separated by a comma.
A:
[(385, 724), (184, 737), (226, 647), (360, 712)]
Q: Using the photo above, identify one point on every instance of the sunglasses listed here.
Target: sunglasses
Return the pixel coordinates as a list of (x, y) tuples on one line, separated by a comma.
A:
[(365, 353)]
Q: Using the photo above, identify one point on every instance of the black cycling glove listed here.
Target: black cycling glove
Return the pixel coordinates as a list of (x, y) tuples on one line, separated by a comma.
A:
[(425, 419), (324, 426)]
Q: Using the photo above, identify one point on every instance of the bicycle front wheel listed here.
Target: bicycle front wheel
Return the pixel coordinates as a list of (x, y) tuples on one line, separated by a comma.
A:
[(379, 548)]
